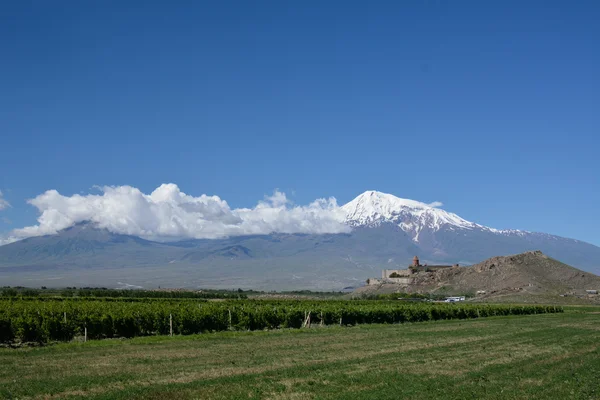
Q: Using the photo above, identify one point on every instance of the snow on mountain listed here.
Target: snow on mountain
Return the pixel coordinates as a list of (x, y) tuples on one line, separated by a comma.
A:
[(373, 208)]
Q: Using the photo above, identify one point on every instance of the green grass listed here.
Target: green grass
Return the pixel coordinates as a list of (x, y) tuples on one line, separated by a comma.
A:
[(516, 357)]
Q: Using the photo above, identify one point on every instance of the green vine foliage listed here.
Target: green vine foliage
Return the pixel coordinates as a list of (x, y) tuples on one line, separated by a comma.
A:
[(45, 321)]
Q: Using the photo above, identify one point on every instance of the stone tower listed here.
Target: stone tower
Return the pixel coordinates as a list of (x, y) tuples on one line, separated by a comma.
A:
[(415, 261)]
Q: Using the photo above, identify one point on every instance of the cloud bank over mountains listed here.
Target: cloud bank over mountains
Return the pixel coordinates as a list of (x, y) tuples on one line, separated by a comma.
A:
[(169, 214)]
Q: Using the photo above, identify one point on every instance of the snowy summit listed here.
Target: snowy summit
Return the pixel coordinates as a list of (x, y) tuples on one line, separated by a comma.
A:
[(373, 208)]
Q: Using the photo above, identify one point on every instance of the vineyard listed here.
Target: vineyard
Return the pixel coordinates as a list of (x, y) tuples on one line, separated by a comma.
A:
[(45, 321)]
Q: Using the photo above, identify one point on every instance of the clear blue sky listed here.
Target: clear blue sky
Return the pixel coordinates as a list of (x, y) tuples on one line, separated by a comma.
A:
[(492, 108)]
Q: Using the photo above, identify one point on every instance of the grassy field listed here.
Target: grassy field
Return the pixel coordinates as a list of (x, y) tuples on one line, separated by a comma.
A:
[(528, 357)]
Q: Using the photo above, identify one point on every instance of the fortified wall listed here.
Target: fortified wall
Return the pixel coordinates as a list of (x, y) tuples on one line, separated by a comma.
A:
[(402, 272), (405, 276), (398, 281)]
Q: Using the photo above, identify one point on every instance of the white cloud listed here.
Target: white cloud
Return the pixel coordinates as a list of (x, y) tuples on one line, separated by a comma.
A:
[(436, 204), (3, 203), (167, 214), (7, 240)]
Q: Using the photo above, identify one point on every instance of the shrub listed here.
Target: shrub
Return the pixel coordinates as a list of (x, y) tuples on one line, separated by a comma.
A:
[(9, 292)]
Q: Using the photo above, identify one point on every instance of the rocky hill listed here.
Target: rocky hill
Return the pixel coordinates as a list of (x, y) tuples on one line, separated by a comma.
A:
[(530, 275)]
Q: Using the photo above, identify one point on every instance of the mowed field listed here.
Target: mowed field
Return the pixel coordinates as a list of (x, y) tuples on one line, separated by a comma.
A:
[(524, 357)]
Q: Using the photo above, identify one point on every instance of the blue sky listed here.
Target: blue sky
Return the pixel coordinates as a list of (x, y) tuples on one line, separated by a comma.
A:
[(490, 108)]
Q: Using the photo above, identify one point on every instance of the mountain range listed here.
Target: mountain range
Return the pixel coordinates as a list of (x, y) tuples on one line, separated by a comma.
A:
[(387, 232)]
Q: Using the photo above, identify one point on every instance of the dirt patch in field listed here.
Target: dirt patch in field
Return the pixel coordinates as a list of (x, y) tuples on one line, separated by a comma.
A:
[(290, 396), (531, 382)]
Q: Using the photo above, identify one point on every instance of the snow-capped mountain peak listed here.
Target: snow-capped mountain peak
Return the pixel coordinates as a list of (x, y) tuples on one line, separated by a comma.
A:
[(373, 208)]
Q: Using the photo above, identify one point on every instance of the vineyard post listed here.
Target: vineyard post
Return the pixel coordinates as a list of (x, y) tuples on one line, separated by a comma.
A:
[(171, 324), (340, 321), (65, 315), (321, 319), (229, 311), (85, 334), (306, 322)]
